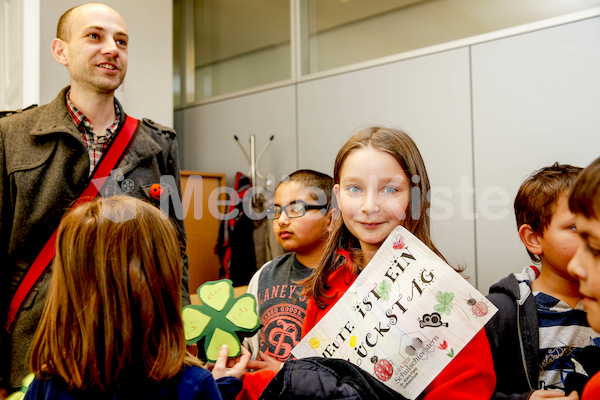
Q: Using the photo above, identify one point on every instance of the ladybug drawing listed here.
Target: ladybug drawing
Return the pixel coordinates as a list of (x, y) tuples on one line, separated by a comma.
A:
[(383, 368), (479, 308)]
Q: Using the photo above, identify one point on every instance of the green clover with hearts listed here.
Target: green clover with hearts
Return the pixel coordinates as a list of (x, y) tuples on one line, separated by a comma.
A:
[(220, 319), (20, 395)]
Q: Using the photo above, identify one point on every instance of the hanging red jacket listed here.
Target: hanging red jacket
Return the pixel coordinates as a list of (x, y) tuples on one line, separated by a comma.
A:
[(235, 245)]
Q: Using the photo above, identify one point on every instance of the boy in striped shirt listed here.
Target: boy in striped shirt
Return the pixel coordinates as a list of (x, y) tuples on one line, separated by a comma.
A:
[(541, 325)]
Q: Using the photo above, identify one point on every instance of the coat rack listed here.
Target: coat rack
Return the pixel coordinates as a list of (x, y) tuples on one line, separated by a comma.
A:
[(252, 159)]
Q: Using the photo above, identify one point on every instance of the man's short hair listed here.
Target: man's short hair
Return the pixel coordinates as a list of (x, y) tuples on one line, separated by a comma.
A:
[(584, 198), (536, 199), (63, 29), (309, 178)]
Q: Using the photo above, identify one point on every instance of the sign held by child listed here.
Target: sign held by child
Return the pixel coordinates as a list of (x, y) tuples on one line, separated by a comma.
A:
[(406, 316)]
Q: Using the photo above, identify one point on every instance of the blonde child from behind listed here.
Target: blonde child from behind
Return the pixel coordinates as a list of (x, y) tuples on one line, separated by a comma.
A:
[(381, 183), (301, 221), (112, 325), (584, 202)]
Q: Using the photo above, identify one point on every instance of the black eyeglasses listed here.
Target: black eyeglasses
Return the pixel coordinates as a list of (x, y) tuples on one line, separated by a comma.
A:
[(293, 210)]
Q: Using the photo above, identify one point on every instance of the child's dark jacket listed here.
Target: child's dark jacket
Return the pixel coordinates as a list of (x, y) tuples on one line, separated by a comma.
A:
[(190, 384), (326, 378), (514, 338)]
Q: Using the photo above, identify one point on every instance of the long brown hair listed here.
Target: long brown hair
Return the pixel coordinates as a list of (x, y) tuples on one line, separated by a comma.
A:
[(114, 307), (399, 145)]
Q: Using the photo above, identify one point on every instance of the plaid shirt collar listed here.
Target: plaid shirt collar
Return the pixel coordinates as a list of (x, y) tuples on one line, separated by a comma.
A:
[(85, 125), (95, 144)]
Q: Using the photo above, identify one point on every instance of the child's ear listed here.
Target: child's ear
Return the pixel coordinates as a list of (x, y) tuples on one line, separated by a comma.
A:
[(329, 217), (336, 193), (530, 239), (334, 209)]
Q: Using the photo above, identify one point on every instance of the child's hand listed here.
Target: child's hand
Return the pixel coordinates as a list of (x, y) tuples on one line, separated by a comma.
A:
[(223, 366), (265, 362), (553, 394)]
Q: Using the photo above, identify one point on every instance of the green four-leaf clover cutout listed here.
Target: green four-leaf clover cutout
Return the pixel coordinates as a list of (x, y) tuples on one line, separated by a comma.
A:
[(20, 395), (220, 319)]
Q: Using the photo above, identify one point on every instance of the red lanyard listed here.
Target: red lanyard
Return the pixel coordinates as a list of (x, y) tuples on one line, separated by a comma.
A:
[(111, 159)]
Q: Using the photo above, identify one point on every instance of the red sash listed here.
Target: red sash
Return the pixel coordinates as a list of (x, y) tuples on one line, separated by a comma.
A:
[(109, 161)]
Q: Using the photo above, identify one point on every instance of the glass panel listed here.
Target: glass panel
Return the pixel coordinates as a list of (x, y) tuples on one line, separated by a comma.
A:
[(240, 44), (344, 32)]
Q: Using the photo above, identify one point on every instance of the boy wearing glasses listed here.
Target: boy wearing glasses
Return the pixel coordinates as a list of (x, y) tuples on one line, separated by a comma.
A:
[(301, 218)]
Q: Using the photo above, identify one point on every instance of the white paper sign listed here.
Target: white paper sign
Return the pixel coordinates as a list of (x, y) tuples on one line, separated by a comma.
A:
[(406, 316)]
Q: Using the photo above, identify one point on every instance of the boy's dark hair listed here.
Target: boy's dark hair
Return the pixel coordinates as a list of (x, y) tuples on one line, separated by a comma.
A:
[(312, 179), (536, 199), (586, 189)]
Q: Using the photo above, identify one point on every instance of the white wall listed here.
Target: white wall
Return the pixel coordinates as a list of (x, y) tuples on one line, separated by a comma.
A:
[(148, 88), (19, 53), (429, 98), (484, 117), (207, 142), (11, 55), (535, 101)]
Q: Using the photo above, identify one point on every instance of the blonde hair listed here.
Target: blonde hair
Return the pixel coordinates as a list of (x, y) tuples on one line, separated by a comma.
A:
[(114, 305), (399, 145)]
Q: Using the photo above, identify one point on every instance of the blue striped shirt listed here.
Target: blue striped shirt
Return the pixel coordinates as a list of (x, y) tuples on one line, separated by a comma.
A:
[(564, 331)]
